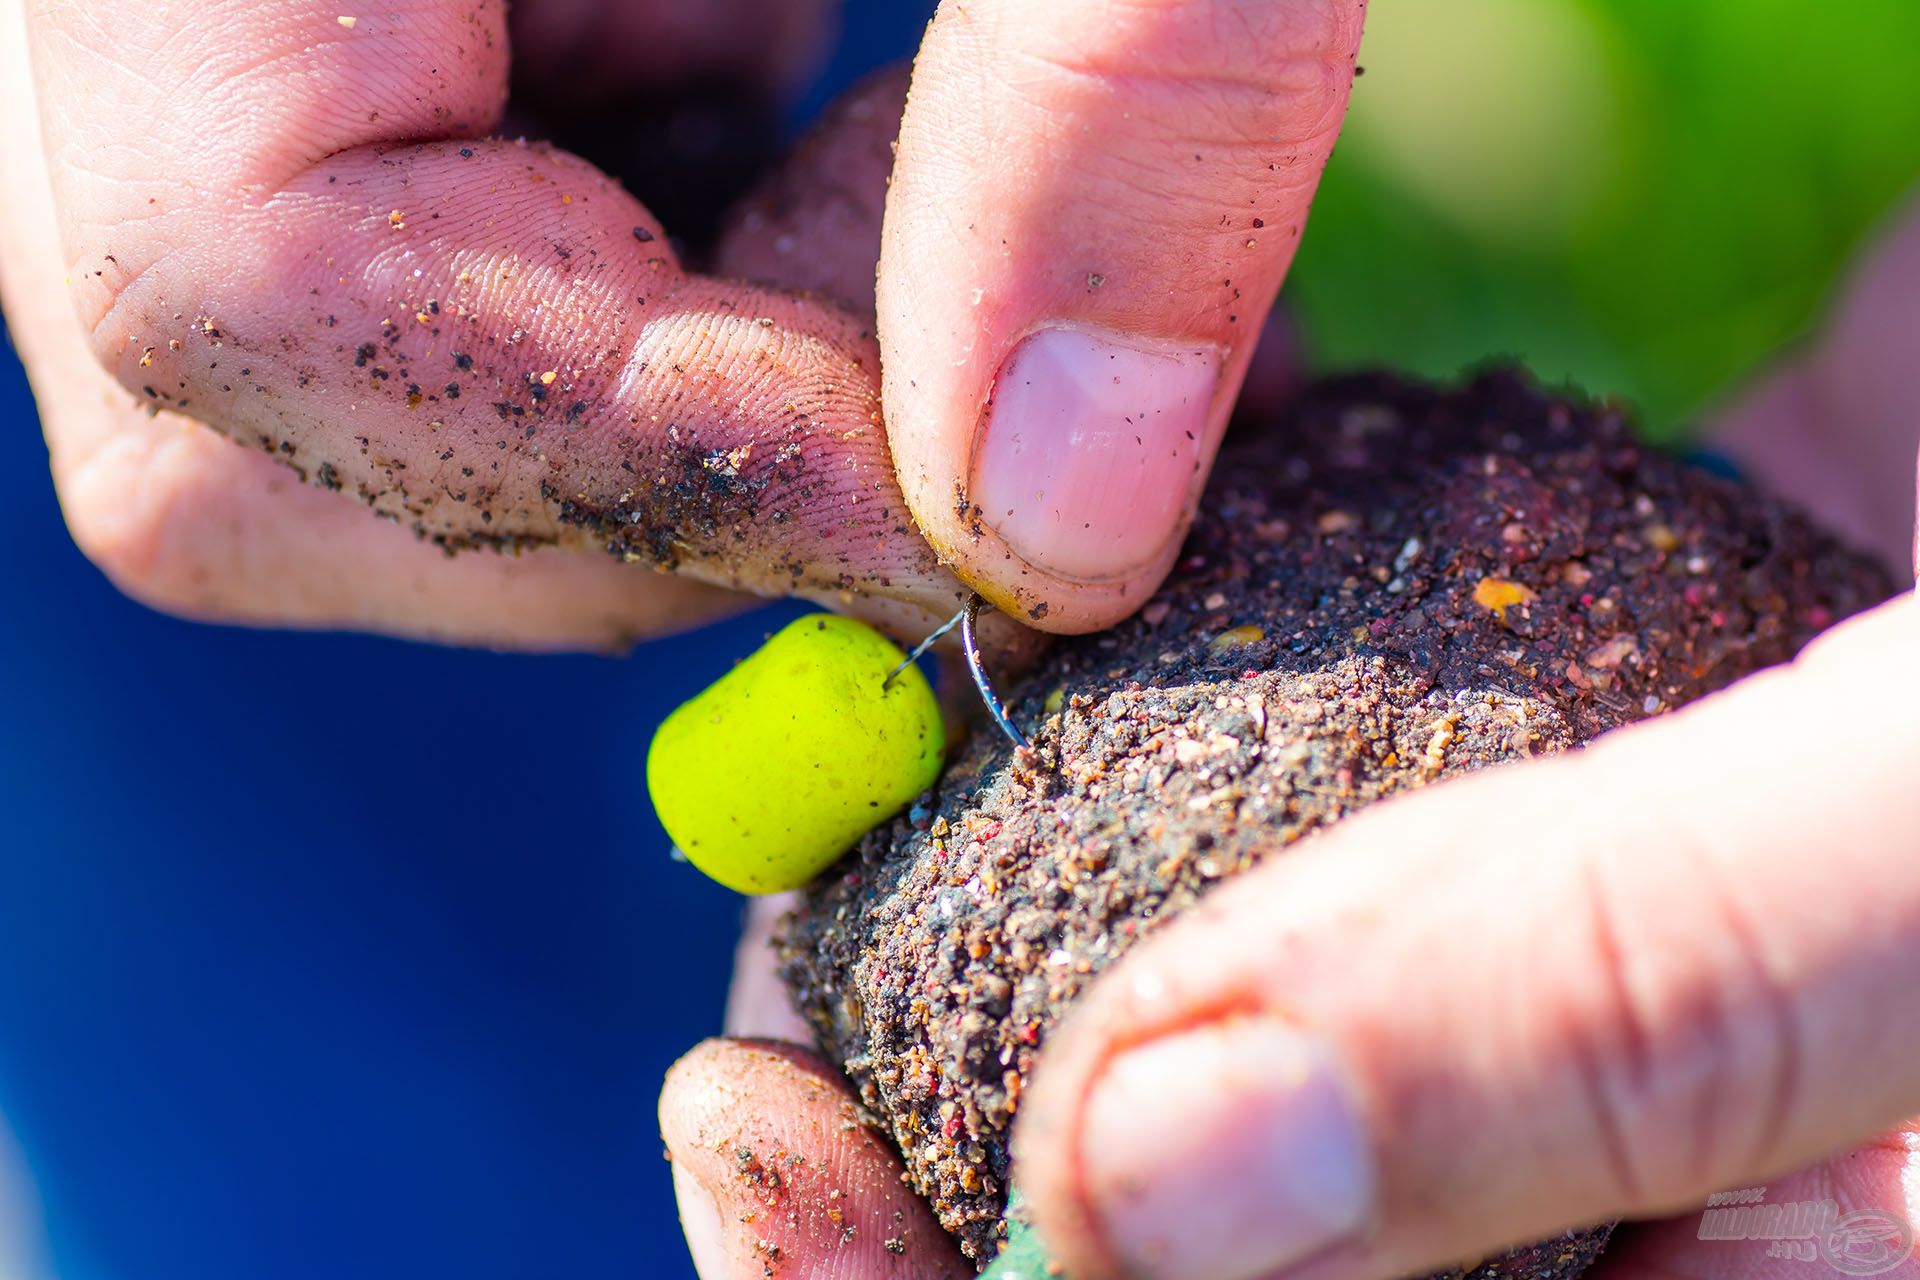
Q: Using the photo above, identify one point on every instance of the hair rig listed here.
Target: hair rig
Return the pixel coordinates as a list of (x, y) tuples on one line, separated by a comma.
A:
[(968, 622)]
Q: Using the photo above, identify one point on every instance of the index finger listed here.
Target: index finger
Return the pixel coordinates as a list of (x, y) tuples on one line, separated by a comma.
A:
[(278, 220)]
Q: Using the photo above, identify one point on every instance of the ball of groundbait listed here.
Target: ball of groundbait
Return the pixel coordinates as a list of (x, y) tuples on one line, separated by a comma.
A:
[(1397, 585)]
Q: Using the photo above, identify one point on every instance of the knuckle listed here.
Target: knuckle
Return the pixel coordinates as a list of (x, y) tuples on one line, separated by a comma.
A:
[(124, 551), (1610, 1055), (1688, 1066), (124, 507)]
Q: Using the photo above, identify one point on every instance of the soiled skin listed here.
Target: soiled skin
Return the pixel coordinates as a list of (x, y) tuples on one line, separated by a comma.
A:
[(1403, 585)]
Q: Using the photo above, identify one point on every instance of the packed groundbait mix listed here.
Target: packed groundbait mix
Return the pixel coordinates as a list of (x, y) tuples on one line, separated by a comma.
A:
[(1396, 585)]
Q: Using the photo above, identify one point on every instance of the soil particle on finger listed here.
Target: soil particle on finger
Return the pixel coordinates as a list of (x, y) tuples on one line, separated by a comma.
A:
[(686, 498), (1398, 585)]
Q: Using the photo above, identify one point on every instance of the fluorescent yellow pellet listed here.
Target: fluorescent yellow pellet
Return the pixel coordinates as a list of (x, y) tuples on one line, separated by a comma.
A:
[(765, 779)]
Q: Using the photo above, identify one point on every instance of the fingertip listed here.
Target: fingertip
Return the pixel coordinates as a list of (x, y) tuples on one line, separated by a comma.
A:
[(708, 1239), (769, 1136), (1178, 1127), (682, 1088), (1091, 212), (1084, 470)]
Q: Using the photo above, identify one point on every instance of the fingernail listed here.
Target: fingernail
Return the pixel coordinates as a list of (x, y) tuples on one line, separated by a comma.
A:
[(700, 1222), (1231, 1151), (1089, 454)]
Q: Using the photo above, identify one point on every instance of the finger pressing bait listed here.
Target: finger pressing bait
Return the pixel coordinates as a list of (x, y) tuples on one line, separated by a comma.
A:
[(771, 774)]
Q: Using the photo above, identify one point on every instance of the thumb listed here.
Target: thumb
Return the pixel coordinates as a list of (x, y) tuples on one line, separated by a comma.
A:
[(1591, 987), (1092, 209)]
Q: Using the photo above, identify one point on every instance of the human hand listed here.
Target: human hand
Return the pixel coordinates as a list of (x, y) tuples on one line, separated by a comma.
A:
[(1606, 984), (289, 229), (278, 180), (1689, 967), (760, 1100), (1091, 212)]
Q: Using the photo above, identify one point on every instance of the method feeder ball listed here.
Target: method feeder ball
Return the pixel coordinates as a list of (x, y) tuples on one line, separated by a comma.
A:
[(773, 772)]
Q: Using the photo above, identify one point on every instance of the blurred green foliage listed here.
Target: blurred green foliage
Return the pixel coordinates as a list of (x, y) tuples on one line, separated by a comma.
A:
[(1646, 197)]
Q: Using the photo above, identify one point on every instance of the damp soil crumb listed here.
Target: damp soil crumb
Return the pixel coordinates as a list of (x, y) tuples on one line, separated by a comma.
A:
[(1397, 585)]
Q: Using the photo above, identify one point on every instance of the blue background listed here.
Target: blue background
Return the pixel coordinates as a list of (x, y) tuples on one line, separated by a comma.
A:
[(291, 988)]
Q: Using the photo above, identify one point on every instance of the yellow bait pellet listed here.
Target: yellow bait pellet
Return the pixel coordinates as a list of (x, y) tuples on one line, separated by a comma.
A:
[(773, 772)]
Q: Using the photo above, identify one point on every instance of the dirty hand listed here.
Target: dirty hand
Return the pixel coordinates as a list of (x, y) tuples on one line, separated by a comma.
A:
[(1608, 984), (286, 222)]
